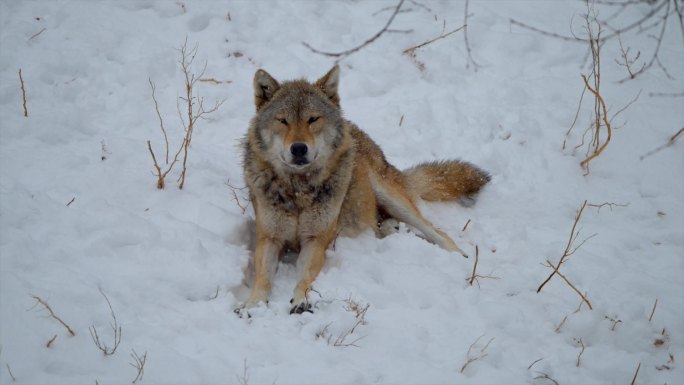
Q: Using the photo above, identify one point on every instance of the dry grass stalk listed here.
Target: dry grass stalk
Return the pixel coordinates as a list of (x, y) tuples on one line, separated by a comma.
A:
[(560, 325), (470, 358), (341, 55), (52, 314), (669, 143), (116, 331), (615, 322), (23, 93), (475, 277), (579, 356), (139, 364), (466, 225), (653, 311), (49, 343), (472, 277), (636, 374), (545, 377), (401, 120), (360, 315)]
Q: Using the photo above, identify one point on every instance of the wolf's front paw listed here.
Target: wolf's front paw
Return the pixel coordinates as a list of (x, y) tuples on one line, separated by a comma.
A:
[(242, 312), (300, 307)]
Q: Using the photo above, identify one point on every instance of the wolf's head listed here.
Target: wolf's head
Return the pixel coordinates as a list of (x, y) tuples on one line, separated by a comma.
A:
[(298, 125)]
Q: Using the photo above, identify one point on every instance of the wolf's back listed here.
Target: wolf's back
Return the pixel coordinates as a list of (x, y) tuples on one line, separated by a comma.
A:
[(445, 180)]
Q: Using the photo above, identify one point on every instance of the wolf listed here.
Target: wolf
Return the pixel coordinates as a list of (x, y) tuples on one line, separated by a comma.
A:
[(313, 176)]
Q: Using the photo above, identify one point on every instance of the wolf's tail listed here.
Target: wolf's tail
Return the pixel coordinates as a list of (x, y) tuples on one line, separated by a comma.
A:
[(446, 181)]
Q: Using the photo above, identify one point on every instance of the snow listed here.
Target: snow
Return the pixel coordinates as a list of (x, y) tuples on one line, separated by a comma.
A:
[(174, 263)]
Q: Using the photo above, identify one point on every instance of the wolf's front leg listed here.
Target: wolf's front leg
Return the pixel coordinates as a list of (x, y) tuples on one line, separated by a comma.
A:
[(309, 264), (265, 263)]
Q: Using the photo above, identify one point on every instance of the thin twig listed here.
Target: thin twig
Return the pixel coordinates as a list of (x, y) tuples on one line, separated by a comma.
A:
[(477, 253), (579, 356), (465, 38), (466, 225), (49, 343), (348, 52), (609, 204), (161, 121), (23, 93), (36, 34), (653, 311), (139, 364), (52, 314), (409, 51), (71, 201), (567, 252), (669, 143), (470, 359), (535, 361), (116, 330), (636, 374), (10, 373), (584, 298)]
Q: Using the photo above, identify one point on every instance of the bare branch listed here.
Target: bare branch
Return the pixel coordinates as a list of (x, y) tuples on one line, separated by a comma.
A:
[(348, 52), (52, 314), (116, 331), (567, 252)]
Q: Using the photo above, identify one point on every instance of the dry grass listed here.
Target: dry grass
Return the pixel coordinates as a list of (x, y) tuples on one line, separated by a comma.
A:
[(475, 354)]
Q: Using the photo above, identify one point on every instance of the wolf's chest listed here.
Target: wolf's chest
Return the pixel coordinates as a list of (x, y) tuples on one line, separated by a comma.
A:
[(295, 195)]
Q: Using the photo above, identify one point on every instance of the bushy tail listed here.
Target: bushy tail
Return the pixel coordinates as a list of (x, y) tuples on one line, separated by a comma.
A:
[(446, 181)]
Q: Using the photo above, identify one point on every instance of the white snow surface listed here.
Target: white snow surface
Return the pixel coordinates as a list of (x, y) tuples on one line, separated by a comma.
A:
[(174, 263)]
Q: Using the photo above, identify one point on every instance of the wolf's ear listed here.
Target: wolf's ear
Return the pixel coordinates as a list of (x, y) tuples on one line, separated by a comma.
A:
[(328, 84), (264, 88)]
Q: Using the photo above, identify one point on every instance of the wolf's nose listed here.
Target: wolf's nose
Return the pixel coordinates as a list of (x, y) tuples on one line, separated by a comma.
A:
[(299, 149)]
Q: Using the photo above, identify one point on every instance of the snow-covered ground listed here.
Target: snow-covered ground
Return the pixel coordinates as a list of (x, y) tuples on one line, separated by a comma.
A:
[(80, 213)]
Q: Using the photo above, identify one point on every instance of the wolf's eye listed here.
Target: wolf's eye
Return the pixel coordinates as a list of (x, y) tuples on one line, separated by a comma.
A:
[(313, 119), (282, 120)]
